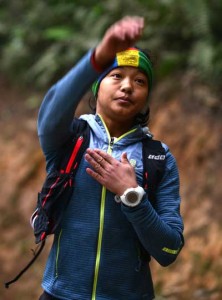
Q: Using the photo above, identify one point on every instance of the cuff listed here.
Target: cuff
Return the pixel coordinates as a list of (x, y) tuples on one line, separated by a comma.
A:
[(95, 65)]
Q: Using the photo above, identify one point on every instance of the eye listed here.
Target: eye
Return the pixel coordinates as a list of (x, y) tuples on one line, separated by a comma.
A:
[(141, 81), (116, 75)]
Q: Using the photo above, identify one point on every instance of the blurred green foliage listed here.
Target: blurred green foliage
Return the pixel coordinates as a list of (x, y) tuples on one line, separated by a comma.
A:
[(41, 40)]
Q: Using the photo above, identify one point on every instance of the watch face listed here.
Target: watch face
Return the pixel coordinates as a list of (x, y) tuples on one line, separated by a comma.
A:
[(132, 197)]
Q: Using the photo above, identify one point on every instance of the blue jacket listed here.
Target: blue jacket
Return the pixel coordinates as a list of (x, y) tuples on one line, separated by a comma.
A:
[(96, 253)]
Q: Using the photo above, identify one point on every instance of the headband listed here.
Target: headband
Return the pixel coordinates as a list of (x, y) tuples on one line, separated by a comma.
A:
[(132, 57)]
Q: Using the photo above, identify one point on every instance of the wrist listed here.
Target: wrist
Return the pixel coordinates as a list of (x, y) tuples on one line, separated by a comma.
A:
[(96, 65), (102, 58)]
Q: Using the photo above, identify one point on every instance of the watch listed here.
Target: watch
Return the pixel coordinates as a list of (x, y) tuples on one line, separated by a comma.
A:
[(132, 196)]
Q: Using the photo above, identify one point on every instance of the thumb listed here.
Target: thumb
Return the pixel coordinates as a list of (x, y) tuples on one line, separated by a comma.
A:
[(124, 158)]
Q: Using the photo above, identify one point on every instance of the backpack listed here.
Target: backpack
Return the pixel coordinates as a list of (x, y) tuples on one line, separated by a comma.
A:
[(59, 183)]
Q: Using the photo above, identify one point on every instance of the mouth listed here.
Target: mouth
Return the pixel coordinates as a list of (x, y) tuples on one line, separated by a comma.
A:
[(123, 100)]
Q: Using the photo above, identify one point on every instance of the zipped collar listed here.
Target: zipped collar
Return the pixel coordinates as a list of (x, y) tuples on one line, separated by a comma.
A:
[(99, 128), (111, 139)]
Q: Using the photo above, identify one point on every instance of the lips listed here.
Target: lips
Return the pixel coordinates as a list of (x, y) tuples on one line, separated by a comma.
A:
[(123, 99)]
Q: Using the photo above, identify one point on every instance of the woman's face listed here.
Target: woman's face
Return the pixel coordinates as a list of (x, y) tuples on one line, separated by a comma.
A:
[(122, 94)]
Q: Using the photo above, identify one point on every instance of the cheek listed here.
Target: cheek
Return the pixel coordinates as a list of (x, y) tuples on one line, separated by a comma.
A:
[(104, 90)]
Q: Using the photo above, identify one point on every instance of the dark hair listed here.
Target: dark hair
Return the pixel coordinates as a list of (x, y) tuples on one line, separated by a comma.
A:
[(142, 119)]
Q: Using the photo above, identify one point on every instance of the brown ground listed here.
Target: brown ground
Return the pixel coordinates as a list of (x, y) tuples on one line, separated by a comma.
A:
[(189, 122)]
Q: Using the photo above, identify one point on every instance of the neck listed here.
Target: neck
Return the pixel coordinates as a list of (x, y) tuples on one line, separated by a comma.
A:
[(116, 128)]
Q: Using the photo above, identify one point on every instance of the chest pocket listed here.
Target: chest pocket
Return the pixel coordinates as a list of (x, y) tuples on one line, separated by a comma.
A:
[(135, 157)]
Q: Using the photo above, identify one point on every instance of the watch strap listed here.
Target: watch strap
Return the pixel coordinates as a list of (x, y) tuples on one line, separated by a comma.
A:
[(132, 196)]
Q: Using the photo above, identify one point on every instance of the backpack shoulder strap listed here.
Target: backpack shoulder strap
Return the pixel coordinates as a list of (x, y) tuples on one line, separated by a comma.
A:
[(49, 210), (72, 152), (153, 170), (154, 161)]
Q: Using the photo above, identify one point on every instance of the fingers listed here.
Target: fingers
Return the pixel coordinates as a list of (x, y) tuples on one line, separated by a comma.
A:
[(118, 37), (97, 158), (100, 157), (98, 161), (115, 175), (101, 162), (124, 158), (129, 28), (95, 175)]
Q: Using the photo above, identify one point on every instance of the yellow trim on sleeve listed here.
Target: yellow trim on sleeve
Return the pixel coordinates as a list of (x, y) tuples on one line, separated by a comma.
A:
[(170, 251), (57, 252)]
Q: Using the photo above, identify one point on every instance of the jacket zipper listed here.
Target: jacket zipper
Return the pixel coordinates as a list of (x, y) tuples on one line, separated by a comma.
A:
[(111, 144), (101, 223), (102, 212)]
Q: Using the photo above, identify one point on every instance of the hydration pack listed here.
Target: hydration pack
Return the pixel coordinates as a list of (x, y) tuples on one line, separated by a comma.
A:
[(58, 186)]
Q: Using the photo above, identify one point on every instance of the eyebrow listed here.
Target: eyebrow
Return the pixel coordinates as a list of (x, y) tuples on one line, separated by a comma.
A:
[(124, 67)]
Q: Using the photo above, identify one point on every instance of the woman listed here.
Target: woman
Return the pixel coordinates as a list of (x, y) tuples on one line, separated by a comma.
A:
[(96, 253)]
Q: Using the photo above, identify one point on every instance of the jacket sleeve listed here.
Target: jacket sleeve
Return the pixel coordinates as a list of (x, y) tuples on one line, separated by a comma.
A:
[(58, 107), (160, 229)]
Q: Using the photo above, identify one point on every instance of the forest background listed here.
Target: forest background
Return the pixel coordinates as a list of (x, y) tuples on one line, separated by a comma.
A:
[(40, 41)]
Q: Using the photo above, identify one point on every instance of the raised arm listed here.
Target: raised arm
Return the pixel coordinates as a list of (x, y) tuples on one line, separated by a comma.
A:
[(59, 105)]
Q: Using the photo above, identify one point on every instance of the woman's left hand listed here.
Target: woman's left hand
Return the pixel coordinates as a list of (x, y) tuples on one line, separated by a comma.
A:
[(116, 176)]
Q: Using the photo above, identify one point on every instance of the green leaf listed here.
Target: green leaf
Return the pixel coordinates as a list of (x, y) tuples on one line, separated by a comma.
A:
[(58, 33)]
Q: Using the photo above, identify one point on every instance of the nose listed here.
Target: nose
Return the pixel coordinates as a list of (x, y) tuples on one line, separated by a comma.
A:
[(126, 85)]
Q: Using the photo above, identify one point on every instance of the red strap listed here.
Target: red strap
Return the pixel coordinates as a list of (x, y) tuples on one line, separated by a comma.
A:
[(50, 191), (74, 153)]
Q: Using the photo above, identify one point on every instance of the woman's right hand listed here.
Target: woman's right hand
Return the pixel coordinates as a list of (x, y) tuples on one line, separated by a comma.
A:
[(120, 36)]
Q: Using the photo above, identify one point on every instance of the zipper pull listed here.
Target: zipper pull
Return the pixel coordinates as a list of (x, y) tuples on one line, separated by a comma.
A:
[(111, 143)]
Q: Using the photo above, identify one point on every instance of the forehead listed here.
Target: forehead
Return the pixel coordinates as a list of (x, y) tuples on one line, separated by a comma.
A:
[(128, 70)]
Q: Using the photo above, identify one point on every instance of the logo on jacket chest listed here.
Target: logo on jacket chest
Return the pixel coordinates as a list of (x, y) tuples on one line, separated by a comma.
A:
[(132, 162), (156, 157)]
